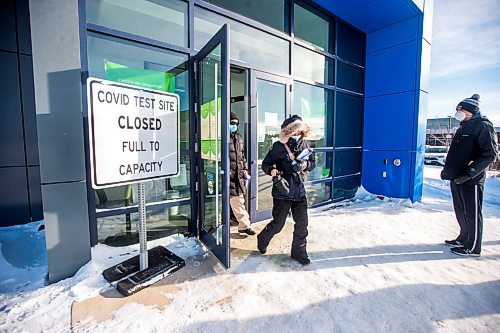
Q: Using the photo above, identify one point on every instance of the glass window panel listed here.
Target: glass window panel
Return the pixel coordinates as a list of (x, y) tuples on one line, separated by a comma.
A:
[(350, 44), (318, 193), (350, 78), (271, 107), (347, 162), (311, 28), (163, 20), (346, 187), (348, 120), (315, 106), (120, 230), (270, 12), (323, 166), (312, 66), (247, 44), (144, 66)]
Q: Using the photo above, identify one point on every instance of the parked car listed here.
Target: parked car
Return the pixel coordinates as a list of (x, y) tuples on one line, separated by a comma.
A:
[(435, 155)]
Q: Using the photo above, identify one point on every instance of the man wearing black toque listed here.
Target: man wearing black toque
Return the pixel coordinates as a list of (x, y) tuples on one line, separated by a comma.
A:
[(288, 191), (472, 150)]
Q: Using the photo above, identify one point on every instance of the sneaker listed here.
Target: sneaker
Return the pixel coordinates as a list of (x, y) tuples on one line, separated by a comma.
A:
[(247, 231), (462, 251), (303, 261), (453, 243)]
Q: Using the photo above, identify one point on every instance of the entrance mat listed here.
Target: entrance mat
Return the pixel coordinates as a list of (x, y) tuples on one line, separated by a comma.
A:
[(161, 262)]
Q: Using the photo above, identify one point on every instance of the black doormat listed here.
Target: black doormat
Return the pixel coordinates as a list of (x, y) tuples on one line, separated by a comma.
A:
[(161, 262)]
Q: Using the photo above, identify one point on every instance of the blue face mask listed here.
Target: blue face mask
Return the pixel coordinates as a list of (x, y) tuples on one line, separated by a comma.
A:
[(233, 128), (296, 137)]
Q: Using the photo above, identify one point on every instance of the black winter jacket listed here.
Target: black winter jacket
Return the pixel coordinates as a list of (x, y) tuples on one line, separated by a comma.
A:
[(278, 158), (237, 165), (472, 150)]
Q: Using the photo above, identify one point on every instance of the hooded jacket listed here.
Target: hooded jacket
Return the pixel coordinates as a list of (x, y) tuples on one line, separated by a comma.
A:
[(279, 158), (473, 149)]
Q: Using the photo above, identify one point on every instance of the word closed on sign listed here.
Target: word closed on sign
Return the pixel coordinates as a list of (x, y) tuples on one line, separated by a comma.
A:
[(134, 133)]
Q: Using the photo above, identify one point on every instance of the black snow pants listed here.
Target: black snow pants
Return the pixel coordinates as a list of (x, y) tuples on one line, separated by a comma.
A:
[(280, 212), (468, 204)]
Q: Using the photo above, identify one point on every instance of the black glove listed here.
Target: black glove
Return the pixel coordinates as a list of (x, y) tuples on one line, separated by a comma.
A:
[(299, 166), (281, 185), (461, 179)]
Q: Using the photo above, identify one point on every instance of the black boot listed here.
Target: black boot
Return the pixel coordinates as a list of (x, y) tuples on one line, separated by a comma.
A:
[(302, 260), (260, 245)]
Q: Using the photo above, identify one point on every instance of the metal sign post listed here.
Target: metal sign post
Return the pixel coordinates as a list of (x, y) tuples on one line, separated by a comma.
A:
[(141, 229)]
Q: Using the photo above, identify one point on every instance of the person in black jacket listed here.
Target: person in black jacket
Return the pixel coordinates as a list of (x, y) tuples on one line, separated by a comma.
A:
[(238, 175), (472, 150), (290, 192)]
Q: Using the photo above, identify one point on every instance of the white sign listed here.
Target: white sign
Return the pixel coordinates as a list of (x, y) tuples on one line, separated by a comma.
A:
[(134, 133)]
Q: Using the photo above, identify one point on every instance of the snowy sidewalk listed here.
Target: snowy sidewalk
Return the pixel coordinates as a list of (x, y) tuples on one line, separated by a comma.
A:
[(377, 266)]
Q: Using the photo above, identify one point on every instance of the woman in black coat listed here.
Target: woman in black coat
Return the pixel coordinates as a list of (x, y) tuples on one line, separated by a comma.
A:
[(278, 163)]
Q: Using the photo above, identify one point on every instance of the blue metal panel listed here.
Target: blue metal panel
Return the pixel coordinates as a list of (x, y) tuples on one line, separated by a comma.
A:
[(393, 35), (388, 122), (381, 176), (391, 70), (370, 15)]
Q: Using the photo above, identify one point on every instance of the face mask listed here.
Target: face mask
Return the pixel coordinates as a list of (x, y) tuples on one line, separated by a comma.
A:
[(296, 137), (460, 116), (233, 128)]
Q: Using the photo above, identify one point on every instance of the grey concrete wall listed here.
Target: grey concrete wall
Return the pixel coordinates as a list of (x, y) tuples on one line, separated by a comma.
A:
[(58, 96)]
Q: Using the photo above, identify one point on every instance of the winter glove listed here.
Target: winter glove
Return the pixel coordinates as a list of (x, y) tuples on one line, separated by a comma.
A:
[(281, 185), (461, 179), (299, 166)]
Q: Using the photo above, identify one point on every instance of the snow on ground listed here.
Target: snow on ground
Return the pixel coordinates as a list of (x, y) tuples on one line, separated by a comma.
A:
[(377, 265)]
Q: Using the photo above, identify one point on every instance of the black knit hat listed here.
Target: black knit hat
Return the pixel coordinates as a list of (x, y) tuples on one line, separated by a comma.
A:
[(290, 120), (470, 104), (233, 116)]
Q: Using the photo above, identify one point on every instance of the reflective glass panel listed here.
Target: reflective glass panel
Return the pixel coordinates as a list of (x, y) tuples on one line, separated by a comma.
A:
[(315, 106), (350, 44), (350, 78), (311, 28), (347, 162), (270, 12), (323, 166), (346, 187), (130, 63), (348, 120), (318, 193), (312, 66), (271, 103), (162, 20), (210, 133), (120, 230), (247, 44)]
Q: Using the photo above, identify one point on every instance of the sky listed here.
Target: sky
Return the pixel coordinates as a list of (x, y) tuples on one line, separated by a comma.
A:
[(465, 56)]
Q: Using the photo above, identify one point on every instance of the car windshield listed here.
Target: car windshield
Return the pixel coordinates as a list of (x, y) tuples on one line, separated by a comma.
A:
[(436, 150)]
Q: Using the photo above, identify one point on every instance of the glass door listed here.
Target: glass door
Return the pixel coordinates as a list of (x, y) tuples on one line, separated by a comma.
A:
[(270, 100), (212, 71)]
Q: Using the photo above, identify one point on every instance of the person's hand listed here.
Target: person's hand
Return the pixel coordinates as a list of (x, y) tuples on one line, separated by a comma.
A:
[(245, 173), (461, 179), (299, 166), (274, 172)]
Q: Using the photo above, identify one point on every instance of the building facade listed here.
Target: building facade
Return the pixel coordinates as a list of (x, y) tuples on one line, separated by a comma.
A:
[(356, 71)]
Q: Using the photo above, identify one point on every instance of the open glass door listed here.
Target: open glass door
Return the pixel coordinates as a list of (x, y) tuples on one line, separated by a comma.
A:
[(270, 100), (212, 70)]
